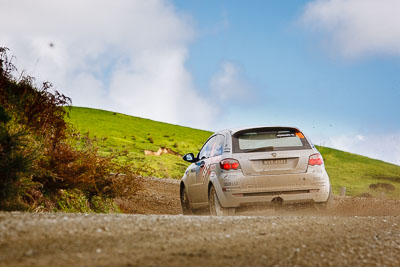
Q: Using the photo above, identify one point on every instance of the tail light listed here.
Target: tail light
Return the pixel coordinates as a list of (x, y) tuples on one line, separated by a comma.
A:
[(315, 159), (229, 164)]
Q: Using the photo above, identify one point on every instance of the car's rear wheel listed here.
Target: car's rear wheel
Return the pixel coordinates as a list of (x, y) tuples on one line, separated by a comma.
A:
[(327, 204), (215, 205), (186, 208)]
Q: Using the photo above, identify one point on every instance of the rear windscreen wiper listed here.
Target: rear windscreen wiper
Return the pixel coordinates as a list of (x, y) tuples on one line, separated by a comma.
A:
[(264, 148)]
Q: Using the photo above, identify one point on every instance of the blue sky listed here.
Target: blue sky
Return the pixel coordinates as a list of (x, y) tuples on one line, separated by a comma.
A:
[(293, 77), (330, 67)]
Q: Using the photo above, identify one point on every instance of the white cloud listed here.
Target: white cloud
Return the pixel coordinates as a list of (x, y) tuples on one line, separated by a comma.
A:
[(228, 83), (385, 147), (125, 55), (356, 27)]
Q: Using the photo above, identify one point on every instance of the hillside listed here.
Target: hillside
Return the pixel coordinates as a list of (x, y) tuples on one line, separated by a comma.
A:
[(119, 132)]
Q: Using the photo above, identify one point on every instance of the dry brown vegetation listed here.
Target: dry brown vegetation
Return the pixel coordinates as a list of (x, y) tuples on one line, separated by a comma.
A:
[(41, 154)]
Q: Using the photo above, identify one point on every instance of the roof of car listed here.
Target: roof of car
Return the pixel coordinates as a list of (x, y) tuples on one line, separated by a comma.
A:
[(235, 130)]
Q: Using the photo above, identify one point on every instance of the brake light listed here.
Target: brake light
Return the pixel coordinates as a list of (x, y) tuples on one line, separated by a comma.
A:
[(315, 159), (229, 164)]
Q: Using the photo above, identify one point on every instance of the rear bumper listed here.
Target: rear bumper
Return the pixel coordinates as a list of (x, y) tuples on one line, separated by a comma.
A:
[(312, 186)]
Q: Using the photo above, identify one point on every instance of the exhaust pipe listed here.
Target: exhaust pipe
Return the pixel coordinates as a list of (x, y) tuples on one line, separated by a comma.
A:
[(278, 201)]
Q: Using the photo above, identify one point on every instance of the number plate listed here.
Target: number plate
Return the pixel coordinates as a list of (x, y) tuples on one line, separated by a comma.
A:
[(275, 161)]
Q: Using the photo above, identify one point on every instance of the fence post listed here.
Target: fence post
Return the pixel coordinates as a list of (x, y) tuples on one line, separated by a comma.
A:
[(342, 191)]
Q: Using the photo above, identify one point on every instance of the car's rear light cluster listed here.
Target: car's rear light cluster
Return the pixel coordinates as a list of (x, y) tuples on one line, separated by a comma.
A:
[(315, 159), (229, 164)]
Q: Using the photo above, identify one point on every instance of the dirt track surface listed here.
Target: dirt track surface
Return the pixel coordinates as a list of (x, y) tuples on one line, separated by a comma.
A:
[(159, 196), (174, 240), (278, 238)]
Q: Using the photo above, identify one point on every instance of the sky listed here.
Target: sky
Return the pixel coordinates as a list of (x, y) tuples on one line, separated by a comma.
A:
[(329, 67)]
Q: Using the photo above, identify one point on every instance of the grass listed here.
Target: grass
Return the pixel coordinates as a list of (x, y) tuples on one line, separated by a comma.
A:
[(357, 173), (119, 132)]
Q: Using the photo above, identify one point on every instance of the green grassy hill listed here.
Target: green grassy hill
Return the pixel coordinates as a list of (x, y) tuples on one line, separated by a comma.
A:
[(119, 132)]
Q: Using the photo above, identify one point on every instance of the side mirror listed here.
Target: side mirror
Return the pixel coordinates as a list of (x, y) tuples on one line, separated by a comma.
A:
[(189, 157)]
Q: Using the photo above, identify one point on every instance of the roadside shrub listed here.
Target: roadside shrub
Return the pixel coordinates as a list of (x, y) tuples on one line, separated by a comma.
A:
[(384, 186), (13, 162), (72, 201), (104, 205), (43, 157)]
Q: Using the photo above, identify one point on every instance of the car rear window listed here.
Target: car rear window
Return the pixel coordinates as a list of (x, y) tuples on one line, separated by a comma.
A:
[(269, 139)]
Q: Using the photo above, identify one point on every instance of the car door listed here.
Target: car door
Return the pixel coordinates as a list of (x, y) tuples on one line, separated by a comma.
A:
[(191, 178), (212, 165), (209, 166), (200, 171)]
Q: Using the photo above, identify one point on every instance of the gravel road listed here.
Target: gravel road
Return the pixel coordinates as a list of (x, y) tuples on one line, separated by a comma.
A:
[(277, 238), (175, 240)]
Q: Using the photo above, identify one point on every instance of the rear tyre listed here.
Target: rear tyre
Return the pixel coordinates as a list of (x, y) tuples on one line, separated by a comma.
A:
[(186, 208), (215, 206), (327, 204)]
